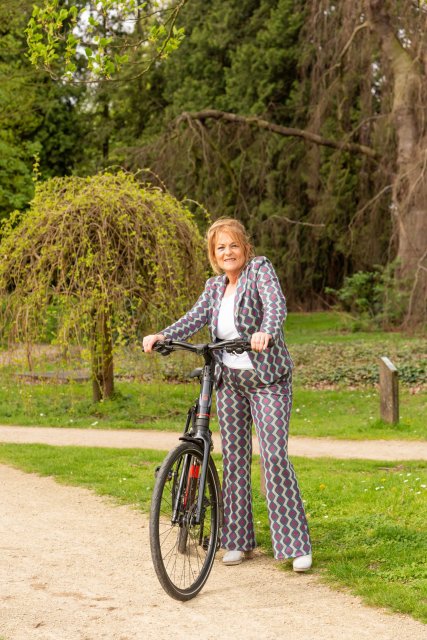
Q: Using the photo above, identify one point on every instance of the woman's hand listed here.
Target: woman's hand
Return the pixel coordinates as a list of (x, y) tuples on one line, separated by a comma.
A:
[(149, 341), (259, 341)]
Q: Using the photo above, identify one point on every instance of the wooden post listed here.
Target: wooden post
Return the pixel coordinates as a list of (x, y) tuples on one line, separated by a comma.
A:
[(389, 392)]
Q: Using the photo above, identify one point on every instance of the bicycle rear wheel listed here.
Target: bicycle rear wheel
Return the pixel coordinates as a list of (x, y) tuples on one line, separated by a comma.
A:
[(183, 551)]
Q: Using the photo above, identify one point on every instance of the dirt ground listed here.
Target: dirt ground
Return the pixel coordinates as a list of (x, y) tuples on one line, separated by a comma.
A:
[(164, 440), (74, 566)]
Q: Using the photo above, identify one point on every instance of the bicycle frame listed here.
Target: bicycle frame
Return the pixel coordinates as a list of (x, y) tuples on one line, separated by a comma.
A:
[(202, 432), (202, 418)]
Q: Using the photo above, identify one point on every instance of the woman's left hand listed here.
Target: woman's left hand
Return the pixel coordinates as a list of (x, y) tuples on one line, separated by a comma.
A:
[(259, 341)]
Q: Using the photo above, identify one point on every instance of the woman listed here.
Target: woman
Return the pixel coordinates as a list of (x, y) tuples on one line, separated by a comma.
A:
[(246, 301)]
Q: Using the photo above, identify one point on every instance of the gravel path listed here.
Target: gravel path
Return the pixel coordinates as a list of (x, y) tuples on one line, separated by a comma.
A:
[(74, 566), (164, 440)]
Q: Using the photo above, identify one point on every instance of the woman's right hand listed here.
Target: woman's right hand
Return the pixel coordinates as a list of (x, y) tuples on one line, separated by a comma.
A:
[(149, 341)]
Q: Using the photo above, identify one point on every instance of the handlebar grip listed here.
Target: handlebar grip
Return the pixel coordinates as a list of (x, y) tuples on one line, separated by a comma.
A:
[(163, 347)]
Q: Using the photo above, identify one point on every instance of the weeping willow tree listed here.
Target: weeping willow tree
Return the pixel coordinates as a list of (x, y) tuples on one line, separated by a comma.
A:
[(110, 254)]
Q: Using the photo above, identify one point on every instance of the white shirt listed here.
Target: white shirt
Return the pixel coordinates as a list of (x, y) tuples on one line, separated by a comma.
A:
[(226, 330)]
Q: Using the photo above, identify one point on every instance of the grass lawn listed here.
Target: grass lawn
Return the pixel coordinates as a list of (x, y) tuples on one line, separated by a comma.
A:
[(367, 519), (355, 414), (339, 413), (335, 390), (332, 327)]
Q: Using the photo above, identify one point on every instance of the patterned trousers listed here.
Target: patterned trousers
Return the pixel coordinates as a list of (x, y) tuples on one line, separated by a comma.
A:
[(241, 399)]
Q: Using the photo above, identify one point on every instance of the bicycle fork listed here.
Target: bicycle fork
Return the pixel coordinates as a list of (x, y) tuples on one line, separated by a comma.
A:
[(191, 474)]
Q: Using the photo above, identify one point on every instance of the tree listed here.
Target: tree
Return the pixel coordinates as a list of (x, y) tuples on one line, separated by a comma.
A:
[(87, 44), (349, 80), (59, 29), (39, 123), (109, 253), (361, 90), (405, 52)]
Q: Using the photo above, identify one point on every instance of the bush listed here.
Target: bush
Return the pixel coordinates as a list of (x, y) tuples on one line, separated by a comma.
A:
[(373, 296)]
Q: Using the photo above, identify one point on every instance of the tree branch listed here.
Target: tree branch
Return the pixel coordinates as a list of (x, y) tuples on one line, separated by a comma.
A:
[(309, 136), (284, 218)]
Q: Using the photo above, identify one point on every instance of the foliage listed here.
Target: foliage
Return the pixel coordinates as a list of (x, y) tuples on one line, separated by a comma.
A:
[(38, 118), (373, 295), (356, 363), (359, 293), (298, 202), (17, 118), (59, 31), (320, 214), (81, 45), (367, 519), (110, 254)]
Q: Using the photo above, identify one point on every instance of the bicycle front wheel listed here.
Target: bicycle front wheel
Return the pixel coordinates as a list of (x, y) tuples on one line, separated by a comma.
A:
[(182, 550)]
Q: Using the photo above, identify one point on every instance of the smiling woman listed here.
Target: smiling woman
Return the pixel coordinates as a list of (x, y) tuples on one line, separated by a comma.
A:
[(246, 301), (223, 232), (229, 257)]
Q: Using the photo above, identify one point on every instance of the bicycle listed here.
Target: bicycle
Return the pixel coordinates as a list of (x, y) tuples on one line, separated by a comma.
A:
[(186, 508)]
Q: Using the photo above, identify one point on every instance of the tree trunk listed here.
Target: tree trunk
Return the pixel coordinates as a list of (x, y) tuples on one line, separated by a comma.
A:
[(412, 254), (102, 358), (410, 183)]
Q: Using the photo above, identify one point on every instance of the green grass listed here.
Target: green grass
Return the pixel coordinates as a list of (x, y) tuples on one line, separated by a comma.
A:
[(334, 383), (367, 519), (333, 327), (152, 405), (355, 415), (336, 413)]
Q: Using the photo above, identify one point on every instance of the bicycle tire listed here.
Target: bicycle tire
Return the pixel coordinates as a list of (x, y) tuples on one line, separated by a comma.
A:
[(183, 572)]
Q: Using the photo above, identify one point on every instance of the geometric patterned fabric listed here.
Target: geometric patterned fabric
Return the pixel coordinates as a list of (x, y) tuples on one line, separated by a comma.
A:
[(242, 399), (259, 305)]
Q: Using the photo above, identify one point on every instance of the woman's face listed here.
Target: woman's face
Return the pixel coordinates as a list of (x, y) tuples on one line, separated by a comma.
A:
[(229, 254)]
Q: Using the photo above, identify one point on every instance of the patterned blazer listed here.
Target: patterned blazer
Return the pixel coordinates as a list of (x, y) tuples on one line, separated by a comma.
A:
[(259, 305)]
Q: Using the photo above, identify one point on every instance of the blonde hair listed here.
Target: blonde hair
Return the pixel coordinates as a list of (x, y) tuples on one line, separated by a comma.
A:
[(236, 230)]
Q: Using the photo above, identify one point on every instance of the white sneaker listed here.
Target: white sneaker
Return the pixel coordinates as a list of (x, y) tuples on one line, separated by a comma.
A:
[(236, 556), (302, 563)]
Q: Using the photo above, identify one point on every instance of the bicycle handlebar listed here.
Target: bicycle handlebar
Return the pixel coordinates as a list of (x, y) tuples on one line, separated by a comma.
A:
[(238, 346)]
